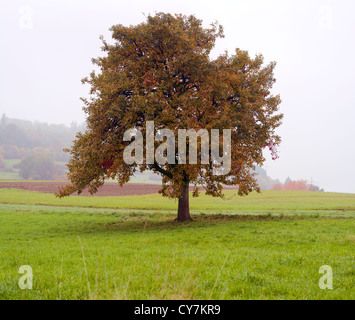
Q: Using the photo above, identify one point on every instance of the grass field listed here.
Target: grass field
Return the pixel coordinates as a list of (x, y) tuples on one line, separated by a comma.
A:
[(10, 172), (267, 200), (264, 246)]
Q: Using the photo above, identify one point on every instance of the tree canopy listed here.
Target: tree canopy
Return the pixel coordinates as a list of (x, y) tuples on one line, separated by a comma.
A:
[(161, 71)]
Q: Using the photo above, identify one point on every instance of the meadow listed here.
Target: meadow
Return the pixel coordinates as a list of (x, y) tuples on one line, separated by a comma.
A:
[(263, 246)]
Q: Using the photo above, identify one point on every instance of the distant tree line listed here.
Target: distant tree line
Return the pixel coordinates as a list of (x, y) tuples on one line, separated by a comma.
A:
[(39, 145), (264, 181), (298, 185)]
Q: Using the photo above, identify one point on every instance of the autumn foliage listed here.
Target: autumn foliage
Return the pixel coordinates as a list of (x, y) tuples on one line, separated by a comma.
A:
[(161, 71), (298, 185)]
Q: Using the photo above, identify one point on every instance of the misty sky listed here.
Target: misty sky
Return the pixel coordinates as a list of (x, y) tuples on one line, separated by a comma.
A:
[(47, 46)]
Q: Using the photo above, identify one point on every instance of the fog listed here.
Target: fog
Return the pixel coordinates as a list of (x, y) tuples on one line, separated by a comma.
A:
[(47, 46)]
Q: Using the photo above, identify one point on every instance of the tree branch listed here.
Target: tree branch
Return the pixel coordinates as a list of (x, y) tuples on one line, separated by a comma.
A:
[(162, 171)]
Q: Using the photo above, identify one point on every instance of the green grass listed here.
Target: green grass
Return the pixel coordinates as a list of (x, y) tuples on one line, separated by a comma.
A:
[(267, 200), (11, 162), (267, 246), (9, 165), (9, 176)]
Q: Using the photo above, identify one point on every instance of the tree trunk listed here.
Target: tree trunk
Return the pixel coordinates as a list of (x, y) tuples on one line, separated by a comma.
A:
[(184, 208)]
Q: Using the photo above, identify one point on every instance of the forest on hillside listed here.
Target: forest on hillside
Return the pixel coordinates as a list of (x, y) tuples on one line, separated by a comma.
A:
[(34, 150)]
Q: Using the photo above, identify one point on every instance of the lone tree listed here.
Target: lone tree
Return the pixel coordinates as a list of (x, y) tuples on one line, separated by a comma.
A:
[(161, 71)]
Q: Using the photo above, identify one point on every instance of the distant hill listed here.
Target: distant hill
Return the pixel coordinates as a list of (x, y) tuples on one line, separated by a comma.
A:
[(19, 137)]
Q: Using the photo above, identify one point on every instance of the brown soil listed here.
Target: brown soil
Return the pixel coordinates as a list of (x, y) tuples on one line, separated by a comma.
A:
[(108, 189)]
